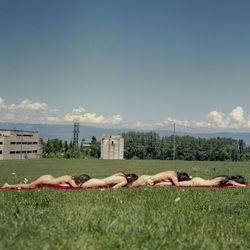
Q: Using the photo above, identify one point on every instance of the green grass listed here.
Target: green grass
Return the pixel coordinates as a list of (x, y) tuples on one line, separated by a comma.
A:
[(143, 218)]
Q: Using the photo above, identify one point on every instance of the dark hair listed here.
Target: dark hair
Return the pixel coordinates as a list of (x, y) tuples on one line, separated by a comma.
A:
[(223, 181), (237, 178), (182, 176), (80, 179), (131, 177)]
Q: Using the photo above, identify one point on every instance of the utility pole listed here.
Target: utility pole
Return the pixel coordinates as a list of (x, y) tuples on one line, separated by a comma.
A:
[(174, 144), (76, 134), (21, 147)]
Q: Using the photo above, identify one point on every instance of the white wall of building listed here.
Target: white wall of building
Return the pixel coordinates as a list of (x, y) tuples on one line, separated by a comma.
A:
[(15, 144), (112, 147)]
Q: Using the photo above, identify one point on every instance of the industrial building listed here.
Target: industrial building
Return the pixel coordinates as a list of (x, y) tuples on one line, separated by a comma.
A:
[(112, 146), (17, 144)]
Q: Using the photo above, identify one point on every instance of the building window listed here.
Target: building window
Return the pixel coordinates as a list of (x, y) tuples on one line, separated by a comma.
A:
[(34, 151), (24, 142), (1, 142), (25, 135), (1, 152), (12, 152)]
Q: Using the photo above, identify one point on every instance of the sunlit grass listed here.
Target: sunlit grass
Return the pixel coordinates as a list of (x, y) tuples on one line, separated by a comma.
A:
[(143, 218)]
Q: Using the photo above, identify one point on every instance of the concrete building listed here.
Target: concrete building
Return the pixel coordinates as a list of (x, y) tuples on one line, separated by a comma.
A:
[(16, 144), (86, 145), (112, 147)]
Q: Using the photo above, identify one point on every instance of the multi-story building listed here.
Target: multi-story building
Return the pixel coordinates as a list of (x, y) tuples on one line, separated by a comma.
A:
[(17, 144), (112, 146)]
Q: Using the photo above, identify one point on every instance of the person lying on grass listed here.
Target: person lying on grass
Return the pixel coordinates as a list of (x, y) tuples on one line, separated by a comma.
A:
[(172, 178), (223, 180), (115, 181), (66, 180), (169, 178)]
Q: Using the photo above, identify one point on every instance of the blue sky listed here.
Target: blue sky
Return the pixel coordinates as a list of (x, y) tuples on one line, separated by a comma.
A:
[(137, 64)]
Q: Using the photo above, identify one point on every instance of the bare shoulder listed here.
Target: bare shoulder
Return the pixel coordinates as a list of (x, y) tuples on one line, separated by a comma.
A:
[(168, 172), (171, 173), (144, 176), (65, 178), (119, 174)]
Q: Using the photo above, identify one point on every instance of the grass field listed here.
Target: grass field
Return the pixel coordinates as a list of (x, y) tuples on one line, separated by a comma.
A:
[(143, 218)]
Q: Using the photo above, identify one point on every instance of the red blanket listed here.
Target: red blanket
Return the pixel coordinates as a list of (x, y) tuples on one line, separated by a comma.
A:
[(101, 187)]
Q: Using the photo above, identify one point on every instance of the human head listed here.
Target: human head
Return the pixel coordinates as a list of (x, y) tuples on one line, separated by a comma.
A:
[(131, 177), (182, 176), (80, 179), (238, 178)]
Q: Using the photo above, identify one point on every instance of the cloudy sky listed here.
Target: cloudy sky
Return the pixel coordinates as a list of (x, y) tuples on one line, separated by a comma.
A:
[(123, 63)]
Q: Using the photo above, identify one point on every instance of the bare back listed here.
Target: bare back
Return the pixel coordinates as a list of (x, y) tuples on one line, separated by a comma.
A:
[(117, 180), (167, 178), (141, 181), (66, 180), (197, 181)]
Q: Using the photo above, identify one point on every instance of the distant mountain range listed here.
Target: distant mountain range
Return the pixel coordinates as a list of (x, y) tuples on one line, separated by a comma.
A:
[(65, 132)]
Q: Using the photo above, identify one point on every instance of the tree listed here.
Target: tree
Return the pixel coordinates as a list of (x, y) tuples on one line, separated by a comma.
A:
[(95, 148)]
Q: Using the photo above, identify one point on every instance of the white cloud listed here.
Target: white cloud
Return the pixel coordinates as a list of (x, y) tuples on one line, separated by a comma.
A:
[(35, 112), (202, 124), (140, 125), (213, 120), (2, 104), (237, 114), (147, 126), (217, 119), (171, 120), (234, 120), (53, 119), (29, 105), (28, 111), (79, 110), (80, 115)]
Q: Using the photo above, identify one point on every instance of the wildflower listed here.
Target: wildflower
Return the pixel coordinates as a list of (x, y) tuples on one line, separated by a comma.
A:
[(25, 180), (38, 190), (13, 173), (191, 176), (177, 199)]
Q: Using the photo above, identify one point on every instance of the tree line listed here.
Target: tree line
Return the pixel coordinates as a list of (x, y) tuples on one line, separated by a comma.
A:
[(55, 148), (151, 146), (140, 145)]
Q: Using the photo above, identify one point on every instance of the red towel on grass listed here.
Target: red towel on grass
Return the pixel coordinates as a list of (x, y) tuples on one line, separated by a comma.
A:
[(101, 187)]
